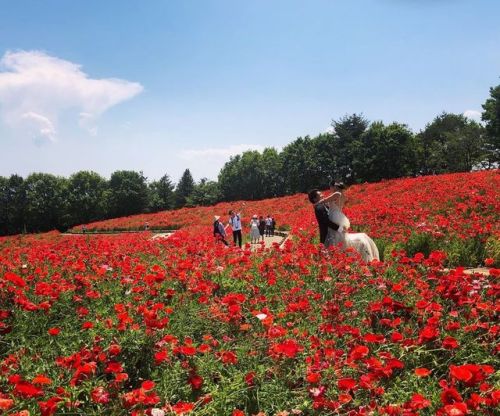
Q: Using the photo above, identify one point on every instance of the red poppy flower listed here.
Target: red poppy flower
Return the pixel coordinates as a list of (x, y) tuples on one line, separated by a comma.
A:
[(54, 331), (28, 390), (422, 372), (346, 384)]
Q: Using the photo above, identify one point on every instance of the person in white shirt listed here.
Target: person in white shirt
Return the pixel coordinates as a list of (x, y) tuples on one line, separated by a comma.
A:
[(269, 223), (235, 223)]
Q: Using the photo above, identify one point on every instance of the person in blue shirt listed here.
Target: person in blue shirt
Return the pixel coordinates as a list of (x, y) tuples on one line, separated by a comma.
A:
[(235, 223)]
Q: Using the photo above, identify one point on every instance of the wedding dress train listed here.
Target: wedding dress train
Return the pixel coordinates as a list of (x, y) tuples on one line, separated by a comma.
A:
[(361, 242)]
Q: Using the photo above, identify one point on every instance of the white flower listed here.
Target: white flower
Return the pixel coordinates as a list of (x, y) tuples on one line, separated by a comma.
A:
[(261, 316)]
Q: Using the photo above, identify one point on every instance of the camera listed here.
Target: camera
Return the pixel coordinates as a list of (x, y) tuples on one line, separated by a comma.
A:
[(339, 185)]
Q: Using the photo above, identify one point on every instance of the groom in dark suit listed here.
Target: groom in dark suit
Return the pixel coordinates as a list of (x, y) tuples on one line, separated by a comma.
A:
[(321, 212)]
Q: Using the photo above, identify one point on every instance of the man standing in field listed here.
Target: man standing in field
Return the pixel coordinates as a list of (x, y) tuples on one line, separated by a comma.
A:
[(235, 223), (321, 212)]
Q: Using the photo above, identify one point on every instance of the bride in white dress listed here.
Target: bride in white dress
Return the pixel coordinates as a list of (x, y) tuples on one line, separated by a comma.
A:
[(361, 242)]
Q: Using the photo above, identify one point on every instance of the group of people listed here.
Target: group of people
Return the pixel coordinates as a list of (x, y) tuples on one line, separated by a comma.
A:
[(334, 225), (259, 227)]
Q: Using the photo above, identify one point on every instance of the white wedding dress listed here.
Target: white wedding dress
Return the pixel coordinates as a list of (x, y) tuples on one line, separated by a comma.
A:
[(361, 242)]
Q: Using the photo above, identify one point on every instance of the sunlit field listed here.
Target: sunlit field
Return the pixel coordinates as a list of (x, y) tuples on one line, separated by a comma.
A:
[(117, 324)]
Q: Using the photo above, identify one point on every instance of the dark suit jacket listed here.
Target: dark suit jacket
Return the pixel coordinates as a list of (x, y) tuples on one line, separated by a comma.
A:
[(321, 212)]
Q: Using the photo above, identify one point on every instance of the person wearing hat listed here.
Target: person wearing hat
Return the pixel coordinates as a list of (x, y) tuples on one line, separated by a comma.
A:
[(219, 230), (254, 229)]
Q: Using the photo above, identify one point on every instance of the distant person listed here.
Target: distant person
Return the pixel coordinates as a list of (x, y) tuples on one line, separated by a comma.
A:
[(262, 227), (219, 230), (273, 225), (235, 223), (269, 222), (146, 226), (254, 230)]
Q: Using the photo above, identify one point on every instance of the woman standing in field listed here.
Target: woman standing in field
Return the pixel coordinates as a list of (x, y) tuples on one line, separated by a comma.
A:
[(254, 230)]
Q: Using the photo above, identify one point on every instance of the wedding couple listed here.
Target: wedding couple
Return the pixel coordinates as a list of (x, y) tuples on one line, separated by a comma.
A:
[(334, 225)]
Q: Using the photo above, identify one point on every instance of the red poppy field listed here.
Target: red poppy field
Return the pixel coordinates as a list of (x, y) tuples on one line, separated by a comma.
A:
[(126, 324)]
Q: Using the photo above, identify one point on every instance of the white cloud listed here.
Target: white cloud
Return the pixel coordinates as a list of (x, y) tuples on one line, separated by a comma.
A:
[(42, 124), (218, 153), (473, 115), (36, 89)]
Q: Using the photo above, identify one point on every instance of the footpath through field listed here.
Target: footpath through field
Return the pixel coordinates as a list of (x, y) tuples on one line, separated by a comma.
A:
[(269, 241)]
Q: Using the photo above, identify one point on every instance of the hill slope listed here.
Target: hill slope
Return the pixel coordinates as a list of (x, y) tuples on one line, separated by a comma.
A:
[(126, 324)]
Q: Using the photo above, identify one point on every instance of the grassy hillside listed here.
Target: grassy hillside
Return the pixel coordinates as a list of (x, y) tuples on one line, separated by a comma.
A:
[(129, 325)]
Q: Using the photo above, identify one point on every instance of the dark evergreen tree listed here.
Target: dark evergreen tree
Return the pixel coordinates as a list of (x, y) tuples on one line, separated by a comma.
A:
[(184, 189), (161, 194)]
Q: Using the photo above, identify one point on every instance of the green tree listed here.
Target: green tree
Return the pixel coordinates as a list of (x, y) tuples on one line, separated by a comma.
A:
[(385, 152), (251, 175), (273, 181), (243, 177), (205, 192), (326, 158), (3, 206), (228, 179), (491, 116), (86, 195), (46, 197), (301, 168), (450, 143), (12, 205), (184, 189), (161, 194), (127, 193), (348, 132)]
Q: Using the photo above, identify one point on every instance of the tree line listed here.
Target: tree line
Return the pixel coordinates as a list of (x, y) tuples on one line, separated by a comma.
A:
[(355, 151)]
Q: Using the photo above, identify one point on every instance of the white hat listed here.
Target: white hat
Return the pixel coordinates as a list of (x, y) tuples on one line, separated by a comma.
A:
[(216, 217), (255, 216)]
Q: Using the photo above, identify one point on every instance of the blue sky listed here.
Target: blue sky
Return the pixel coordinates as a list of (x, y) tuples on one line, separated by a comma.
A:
[(161, 86)]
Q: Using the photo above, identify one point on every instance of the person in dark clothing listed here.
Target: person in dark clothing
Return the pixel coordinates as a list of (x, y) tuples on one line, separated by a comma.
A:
[(219, 231), (321, 212), (262, 226), (273, 226)]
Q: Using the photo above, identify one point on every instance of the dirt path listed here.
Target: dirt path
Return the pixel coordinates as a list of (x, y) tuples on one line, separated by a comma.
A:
[(161, 235), (474, 270), (269, 241)]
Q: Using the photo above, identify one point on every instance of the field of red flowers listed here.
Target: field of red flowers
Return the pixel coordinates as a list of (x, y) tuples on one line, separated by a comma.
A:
[(125, 324)]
